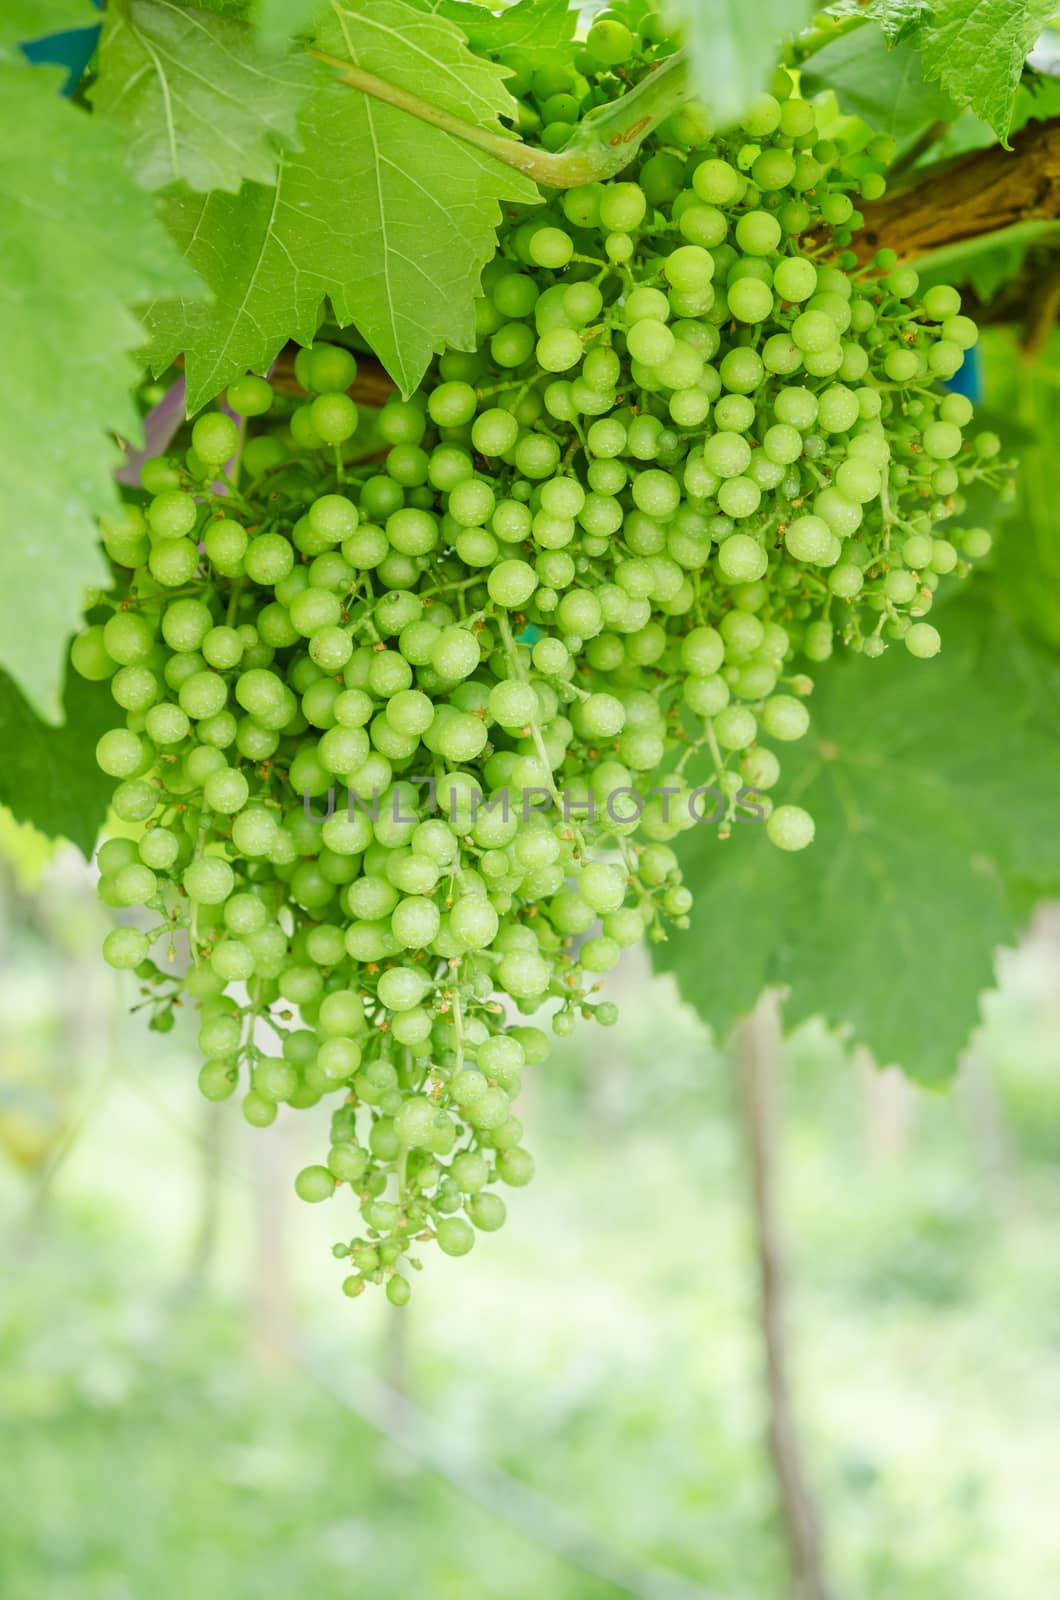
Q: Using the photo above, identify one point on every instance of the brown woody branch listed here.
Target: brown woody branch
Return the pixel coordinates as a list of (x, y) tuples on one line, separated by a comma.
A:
[(372, 386), (981, 193)]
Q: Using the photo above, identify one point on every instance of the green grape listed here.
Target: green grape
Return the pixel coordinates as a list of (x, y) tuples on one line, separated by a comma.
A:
[(90, 657), (314, 1184), (386, 734), (125, 948), (923, 641), (214, 438), (790, 827)]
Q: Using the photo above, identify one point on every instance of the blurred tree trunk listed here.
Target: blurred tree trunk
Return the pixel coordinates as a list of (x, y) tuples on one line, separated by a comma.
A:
[(271, 1298), (208, 1226), (759, 1053), (985, 1117), (888, 1105)]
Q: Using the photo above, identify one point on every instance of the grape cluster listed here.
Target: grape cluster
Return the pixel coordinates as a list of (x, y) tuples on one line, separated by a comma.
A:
[(416, 702)]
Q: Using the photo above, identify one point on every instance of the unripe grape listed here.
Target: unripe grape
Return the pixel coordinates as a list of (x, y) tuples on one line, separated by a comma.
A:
[(455, 1236), (716, 182), (923, 641), (214, 438), (487, 1211), (810, 539), (491, 632), (609, 42), (551, 247), (125, 948), (314, 1184), (89, 655), (790, 828), (741, 559), (249, 397), (172, 514)]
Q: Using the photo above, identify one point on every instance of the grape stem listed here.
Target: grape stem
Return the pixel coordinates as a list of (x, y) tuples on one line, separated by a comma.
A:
[(810, 40), (458, 1027), (518, 672), (604, 142)]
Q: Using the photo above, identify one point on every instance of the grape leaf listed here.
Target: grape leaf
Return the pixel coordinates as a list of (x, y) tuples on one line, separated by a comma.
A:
[(282, 19), (884, 86), (24, 20), (895, 17), (1037, 100), (80, 244), (240, 9), (198, 98), (25, 850), (1022, 393), (933, 785), (734, 46), (49, 776), (976, 49), (533, 27), (391, 218), (421, 52)]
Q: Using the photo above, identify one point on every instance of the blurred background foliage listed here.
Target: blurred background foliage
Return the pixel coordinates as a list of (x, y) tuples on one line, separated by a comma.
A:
[(190, 1408)]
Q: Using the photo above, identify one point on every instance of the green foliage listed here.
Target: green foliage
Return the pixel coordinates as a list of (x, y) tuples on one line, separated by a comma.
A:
[(148, 1446), (885, 85), (81, 246), (351, 217), (927, 806), (895, 17), (49, 776), (976, 50), (533, 27), (1024, 393), (280, 19), (197, 98)]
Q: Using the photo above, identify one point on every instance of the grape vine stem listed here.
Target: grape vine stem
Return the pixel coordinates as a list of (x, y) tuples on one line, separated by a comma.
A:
[(985, 192), (604, 142)]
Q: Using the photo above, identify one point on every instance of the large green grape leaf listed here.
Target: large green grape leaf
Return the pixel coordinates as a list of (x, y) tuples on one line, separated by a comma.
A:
[(935, 787), (1022, 396), (420, 52), (391, 218), (976, 50), (734, 45), (25, 20), (80, 244), (49, 776), (282, 19), (199, 98), (885, 86)]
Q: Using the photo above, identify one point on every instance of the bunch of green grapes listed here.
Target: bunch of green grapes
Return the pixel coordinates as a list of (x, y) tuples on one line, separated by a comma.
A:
[(415, 704)]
